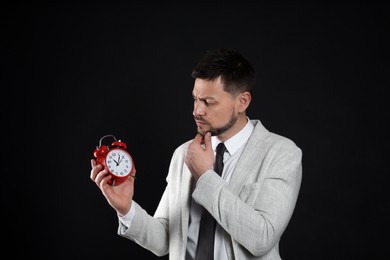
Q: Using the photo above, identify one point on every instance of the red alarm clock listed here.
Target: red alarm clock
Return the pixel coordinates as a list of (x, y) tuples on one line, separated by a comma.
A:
[(116, 159)]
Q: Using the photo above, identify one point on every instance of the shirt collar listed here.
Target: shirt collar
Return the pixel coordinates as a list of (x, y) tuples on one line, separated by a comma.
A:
[(236, 141)]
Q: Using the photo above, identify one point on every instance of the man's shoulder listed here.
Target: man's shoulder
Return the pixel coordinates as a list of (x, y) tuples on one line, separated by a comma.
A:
[(278, 140), (182, 148), (272, 139)]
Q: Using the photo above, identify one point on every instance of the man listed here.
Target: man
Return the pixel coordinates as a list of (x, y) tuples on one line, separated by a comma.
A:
[(253, 199)]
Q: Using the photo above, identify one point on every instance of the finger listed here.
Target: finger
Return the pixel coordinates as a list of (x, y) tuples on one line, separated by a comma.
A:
[(100, 176), (93, 163), (198, 138), (95, 170), (104, 180)]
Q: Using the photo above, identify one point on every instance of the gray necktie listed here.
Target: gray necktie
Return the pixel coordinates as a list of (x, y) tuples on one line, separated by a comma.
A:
[(205, 247)]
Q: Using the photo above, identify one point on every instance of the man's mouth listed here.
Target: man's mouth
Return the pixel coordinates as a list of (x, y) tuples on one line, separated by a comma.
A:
[(200, 122)]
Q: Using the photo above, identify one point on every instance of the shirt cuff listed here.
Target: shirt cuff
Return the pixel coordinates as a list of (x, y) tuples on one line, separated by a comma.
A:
[(128, 218)]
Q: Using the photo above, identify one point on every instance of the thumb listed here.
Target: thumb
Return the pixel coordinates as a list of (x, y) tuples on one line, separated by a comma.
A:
[(207, 141)]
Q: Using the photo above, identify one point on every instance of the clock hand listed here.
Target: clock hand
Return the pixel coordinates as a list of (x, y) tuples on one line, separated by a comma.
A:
[(115, 162), (119, 159)]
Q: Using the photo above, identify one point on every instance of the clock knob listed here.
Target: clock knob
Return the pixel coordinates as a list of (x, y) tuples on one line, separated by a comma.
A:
[(119, 144), (101, 151)]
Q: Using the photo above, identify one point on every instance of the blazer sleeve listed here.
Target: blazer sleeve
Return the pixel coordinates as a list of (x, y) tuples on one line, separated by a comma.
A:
[(150, 232), (256, 217)]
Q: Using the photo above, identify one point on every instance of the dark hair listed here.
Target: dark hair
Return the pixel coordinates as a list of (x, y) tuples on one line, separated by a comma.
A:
[(237, 74)]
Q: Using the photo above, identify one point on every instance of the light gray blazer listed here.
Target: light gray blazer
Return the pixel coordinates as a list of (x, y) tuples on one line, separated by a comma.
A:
[(254, 208)]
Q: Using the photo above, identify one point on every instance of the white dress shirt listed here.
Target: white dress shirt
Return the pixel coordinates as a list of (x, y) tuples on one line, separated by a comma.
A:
[(234, 148)]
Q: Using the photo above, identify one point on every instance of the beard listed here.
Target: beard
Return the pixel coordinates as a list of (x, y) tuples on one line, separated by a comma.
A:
[(219, 130)]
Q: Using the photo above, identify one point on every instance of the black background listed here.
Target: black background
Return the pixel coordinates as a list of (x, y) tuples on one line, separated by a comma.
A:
[(75, 72)]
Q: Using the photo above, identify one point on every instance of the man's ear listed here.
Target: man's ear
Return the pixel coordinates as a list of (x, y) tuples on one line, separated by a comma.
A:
[(244, 99)]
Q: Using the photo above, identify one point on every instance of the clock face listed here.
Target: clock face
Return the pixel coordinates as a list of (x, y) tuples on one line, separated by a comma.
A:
[(119, 162)]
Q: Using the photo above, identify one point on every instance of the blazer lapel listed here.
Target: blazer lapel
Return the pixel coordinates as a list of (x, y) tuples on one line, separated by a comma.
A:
[(253, 153), (185, 195)]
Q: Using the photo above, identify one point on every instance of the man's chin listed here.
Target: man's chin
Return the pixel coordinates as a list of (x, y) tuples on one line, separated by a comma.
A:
[(202, 131)]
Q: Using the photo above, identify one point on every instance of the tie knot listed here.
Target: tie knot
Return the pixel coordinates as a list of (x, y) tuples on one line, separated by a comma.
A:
[(221, 148)]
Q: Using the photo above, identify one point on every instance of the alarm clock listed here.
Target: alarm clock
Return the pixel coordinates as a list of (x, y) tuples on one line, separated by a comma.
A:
[(116, 159)]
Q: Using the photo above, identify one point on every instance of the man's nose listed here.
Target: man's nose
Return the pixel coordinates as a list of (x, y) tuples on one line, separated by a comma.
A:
[(198, 109)]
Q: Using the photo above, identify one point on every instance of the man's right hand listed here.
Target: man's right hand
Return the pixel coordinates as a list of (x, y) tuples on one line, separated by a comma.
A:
[(200, 155)]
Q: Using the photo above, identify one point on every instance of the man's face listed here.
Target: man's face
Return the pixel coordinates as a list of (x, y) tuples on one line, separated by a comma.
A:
[(214, 109)]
